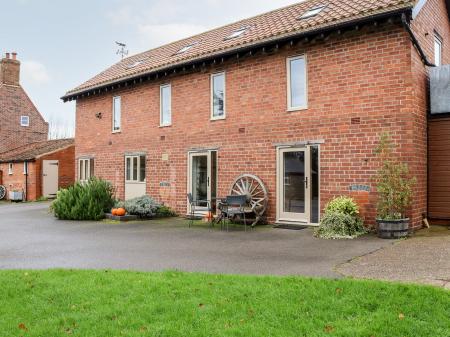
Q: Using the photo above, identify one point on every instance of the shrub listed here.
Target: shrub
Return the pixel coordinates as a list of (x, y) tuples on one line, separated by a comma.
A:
[(88, 201), (341, 220), (394, 184), (146, 207), (342, 204)]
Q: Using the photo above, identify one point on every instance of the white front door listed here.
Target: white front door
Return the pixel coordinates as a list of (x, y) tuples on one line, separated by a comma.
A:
[(293, 185), (50, 178), (135, 177), (202, 178)]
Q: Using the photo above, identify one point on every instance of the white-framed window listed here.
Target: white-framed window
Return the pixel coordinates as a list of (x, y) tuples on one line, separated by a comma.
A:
[(24, 120), (297, 83), (165, 93), (25, 167), (218, 96), (437, 50), (135, 168), (10, 168), (116, 114), (85, 169)]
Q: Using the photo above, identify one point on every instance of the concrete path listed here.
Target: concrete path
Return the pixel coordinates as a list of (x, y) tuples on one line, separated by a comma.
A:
[(30, 237), (423, 258)]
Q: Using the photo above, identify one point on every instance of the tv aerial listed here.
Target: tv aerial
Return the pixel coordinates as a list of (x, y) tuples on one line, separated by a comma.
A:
[(122, 51)]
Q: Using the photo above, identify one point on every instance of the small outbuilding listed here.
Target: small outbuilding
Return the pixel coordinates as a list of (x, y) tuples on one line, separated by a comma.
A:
[(38, 169)]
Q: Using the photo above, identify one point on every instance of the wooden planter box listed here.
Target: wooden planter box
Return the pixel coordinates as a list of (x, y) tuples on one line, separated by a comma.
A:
[(393, 229), (122, 218)]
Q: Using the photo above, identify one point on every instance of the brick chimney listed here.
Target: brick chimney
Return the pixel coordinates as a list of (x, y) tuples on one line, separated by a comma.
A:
[(10, 69)]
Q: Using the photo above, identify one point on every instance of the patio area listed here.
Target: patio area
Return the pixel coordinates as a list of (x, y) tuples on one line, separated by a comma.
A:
[(33, 238)]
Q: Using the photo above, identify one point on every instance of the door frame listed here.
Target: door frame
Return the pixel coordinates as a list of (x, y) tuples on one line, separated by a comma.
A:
[(306, 218), (199, 153)]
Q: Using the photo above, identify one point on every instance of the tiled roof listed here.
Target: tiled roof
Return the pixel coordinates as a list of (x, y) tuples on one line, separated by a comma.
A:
[(280, 23), (34, 150)]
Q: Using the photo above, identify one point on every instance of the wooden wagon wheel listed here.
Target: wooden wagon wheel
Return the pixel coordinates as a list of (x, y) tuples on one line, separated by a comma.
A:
[(256, 192), (2, 192)]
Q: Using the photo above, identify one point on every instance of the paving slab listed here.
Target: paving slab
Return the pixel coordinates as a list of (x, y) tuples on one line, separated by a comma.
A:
[(422, 258)]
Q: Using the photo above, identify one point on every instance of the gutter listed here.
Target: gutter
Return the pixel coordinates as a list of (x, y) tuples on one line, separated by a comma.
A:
[(416, 43), (273, 41)]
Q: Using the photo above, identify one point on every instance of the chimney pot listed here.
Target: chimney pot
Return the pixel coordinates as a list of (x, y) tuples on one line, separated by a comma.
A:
[(7, 55), (14, 56)]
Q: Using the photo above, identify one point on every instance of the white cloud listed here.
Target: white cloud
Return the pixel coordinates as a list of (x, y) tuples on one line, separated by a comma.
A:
[(159, 34), (34, 72)]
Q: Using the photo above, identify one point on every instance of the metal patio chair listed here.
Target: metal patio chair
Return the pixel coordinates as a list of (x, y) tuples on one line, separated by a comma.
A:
[(194, 206), (233, 207)]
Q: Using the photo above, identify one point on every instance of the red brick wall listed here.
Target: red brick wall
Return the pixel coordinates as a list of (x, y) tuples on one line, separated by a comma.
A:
[(14, 103), (66, 172), (364, 74)]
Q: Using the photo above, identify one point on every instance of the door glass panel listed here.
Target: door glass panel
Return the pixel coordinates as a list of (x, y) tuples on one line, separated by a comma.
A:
[(128, 169), (199, 178), (314, 184), (135, 167), (294, 182), (213, 179)]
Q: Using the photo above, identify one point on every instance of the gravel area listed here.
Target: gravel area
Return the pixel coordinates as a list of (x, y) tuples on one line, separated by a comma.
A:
[(422, 258)]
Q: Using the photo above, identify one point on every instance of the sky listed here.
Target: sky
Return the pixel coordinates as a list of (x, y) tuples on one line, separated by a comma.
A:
[(63, 43)]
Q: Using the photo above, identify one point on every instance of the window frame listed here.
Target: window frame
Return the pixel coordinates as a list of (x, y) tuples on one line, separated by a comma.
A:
[(139, 158), (212, 76), (87, 163), (161, 110), (28, 121), (437, 42), (114, 114), (10, 169), (291, 108)]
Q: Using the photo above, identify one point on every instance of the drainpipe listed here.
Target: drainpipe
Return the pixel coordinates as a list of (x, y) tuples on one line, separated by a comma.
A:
[(26, 180), (416, 42)]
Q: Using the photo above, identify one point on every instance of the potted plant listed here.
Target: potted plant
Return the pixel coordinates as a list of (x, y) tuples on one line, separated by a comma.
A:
[(394, 186)]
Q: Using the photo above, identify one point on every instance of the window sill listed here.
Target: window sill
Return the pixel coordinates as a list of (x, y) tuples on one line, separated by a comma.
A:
[(218, 118), (117, 131), (297, 109), (164, 125)]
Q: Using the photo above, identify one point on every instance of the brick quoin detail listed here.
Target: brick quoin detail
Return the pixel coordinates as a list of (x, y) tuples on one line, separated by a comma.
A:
[(372, 76)]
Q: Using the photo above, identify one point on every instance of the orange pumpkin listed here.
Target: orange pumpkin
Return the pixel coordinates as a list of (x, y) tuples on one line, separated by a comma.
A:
[(114, 211), (120, 211)]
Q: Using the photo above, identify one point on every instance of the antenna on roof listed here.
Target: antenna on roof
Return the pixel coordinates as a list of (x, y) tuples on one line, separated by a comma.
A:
[(122, 51)]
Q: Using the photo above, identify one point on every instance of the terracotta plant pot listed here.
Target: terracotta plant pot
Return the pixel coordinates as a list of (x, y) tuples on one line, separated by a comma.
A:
[(393, 229)]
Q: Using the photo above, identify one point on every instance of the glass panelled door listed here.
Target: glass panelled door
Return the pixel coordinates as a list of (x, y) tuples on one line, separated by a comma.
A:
[(293, 184), (202, 180)]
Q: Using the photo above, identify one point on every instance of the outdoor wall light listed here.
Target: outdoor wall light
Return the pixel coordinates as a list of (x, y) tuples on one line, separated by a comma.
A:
[(98, 115)]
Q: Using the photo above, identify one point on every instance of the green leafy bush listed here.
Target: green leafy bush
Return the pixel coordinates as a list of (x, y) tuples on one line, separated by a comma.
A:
[(341, 220), (342, 204), (145, 207), (88, 201)]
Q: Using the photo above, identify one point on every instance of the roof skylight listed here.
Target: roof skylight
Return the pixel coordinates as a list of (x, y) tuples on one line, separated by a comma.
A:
[(312, 12), (134, 64), (186, 48), (237, 33)]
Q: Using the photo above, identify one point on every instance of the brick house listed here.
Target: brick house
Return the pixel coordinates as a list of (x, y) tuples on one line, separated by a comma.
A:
[(39, 169), (298, 97), (20, 121)]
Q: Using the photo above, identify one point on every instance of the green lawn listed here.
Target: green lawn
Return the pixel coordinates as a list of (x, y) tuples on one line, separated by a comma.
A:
[(117, 303)]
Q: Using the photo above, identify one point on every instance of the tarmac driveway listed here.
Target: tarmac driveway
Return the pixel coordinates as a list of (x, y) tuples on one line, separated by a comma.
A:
[(32, 238)]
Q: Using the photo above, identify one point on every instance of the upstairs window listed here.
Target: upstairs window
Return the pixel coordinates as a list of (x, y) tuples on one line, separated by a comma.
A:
[(10, 168), (135, 169), (297, 83), (237, 33), (218, 96), (165, 105), (116, 114), (24, 121), (85, 169), (437, 50)]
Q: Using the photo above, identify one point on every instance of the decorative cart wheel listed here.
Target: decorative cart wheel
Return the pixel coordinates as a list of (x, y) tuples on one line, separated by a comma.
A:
[(252, 187), (2, 192)]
